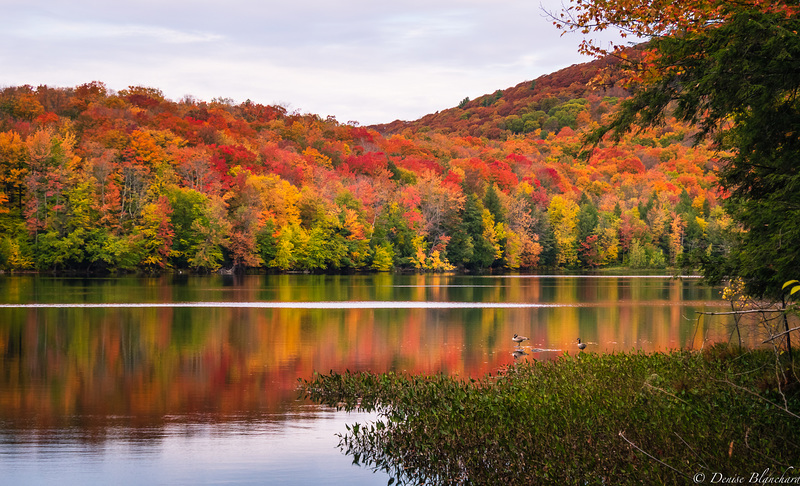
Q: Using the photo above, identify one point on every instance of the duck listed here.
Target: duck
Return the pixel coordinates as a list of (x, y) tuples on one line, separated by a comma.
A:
[(518, 339), (581, 345)]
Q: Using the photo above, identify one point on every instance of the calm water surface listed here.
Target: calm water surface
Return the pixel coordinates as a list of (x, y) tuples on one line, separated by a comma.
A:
[(192, 380)]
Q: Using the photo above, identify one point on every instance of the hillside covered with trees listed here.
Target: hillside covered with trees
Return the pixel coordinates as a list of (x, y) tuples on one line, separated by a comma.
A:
[(93, 180)]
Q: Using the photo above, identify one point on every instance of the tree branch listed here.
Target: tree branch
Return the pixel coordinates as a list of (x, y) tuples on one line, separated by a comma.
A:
[(733, 313), (781, 334)]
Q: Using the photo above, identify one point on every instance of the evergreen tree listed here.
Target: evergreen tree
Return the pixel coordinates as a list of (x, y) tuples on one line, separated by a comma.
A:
[(588, 218), (483, 252), (492, 202)]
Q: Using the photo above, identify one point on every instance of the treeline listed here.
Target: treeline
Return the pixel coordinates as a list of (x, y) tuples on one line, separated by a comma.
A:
[(101, 181)]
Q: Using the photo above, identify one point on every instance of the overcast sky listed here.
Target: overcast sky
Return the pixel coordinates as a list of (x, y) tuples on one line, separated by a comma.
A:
[(371, 61)]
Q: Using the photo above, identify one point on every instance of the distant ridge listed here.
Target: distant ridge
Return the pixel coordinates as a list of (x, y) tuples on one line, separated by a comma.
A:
[(471, 116)]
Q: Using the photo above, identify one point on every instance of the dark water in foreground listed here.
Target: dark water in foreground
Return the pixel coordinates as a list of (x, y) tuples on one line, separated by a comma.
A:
[(192, 380)]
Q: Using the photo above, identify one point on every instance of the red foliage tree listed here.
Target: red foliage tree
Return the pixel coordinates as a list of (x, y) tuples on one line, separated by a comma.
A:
[(370, 163)]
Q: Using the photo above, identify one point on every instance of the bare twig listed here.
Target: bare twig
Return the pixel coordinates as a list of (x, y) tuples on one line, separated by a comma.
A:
[(781, 334), (705, 466), (736, 320), (650, 456), (747, 444), (786, 326), (778, 372), (665, 392), (757, 396)]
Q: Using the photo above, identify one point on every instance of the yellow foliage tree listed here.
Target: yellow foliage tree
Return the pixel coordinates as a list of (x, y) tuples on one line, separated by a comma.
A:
[(563, 216)]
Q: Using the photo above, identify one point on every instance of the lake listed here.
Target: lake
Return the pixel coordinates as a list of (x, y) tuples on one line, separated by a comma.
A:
[(192, 379)]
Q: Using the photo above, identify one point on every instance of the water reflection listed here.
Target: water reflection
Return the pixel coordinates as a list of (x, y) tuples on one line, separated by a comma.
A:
[(146, 348), (139, 363), (295, 448)]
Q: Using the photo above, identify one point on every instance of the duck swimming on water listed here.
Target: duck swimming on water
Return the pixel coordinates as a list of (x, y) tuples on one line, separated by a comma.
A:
[(581, 345)]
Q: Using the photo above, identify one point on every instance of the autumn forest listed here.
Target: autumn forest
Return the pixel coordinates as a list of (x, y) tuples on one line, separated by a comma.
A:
[(93, 180)]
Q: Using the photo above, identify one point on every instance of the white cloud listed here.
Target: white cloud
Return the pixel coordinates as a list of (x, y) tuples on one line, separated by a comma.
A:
[(357, 59), (58, 30)]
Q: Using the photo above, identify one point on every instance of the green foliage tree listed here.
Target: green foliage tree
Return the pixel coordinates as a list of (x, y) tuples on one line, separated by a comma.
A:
[(266, 242), (729, 68), (213, 228), (491, 201), (588, 218), (461, 249), (383, 260), (484, 251), (187, 207), (155, 233), (392, 227)]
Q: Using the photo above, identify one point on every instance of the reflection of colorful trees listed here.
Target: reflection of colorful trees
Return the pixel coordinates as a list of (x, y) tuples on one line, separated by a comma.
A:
[(146, 363)]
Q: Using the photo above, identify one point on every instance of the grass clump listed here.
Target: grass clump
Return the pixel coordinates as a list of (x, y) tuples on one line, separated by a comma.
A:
[(628, 418)]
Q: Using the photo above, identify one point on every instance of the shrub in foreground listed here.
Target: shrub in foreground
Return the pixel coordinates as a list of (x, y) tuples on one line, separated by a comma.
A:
[(627, 418)]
